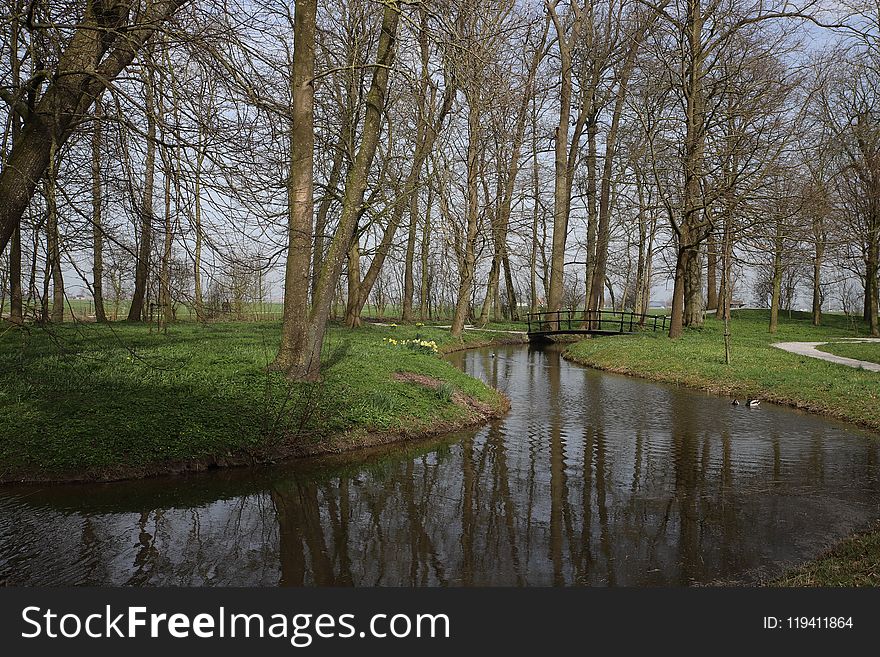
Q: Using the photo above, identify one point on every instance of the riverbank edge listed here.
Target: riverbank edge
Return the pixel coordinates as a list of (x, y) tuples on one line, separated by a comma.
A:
[(850, 562), (726, 390), (477, 414), (508, 340)]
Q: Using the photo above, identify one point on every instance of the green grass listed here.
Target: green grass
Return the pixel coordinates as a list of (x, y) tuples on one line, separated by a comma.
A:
[(93, 398), (869, 351), (757, 369), (854, 562)]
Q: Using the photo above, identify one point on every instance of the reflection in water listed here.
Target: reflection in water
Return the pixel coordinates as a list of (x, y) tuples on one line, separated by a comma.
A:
[(592, 479)]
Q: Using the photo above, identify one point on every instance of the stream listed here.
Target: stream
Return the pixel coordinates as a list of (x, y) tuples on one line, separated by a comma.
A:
[(592, 479)]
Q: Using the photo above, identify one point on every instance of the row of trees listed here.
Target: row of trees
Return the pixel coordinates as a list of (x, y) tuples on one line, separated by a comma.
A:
[(490, 157)]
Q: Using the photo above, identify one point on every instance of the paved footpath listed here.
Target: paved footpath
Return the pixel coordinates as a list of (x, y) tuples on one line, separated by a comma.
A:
[(809, 349)]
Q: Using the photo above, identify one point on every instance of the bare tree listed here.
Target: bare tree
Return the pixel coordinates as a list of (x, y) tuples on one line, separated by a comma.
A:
[(103, 45)]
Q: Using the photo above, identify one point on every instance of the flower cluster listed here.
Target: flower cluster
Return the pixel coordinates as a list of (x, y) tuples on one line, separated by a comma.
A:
[(425, 345), (428, 346)]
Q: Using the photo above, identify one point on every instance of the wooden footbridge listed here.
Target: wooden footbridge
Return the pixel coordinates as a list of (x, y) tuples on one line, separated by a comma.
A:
[(542, 325)]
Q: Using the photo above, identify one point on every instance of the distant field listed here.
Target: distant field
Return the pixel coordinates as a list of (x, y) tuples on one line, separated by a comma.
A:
[(84, 310)]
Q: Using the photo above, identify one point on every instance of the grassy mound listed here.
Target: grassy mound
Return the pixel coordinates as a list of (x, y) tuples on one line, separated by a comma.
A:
[(117, 400)]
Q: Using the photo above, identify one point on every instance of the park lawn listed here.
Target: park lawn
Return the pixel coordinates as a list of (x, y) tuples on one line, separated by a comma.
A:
[(106, 401), (757, 370), (869, 351)]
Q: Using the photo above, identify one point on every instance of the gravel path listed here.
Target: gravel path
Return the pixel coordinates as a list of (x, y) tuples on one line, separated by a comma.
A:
[(809, 349)]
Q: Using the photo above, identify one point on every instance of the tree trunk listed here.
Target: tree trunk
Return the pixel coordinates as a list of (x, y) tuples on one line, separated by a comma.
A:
[(496, 301), (408, 284), (640, 265), (643, 269), (4, 283), (54, 248), (32, 279), (871, 285), (466, 275), (818, 257), (646, 285), (592, 214), (323, 212), (562, 182), (165, 275), (611, 294), (777, 277), (677, 311), (97, 224), (142, 268), (508, 188), (725, 293), (512, 305), (297, 353), (16, 305), (694, 148), (302, 339), (693, 287), (45, 317), (603, 233), (684, 266), (712, 274), (53, 240), (166, 302), (355, 304), (536, 187), (426, 243), (408, 268), (197, 252), (491, 288)]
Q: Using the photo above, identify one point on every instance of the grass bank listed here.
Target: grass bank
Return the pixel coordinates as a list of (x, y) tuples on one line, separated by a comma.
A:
[(758, 370), (869, 351), (853, 562), (115, 401)]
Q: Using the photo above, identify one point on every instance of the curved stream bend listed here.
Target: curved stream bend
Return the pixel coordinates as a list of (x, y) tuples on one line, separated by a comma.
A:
[(591, 479)]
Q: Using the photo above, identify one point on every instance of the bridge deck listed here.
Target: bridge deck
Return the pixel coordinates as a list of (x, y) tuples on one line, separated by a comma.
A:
[(538, 334), (542, 325)]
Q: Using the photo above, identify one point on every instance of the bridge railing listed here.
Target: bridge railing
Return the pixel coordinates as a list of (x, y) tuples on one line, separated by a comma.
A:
[(554, 321)]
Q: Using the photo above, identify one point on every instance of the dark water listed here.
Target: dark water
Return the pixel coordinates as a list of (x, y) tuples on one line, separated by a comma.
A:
[(592, 479)]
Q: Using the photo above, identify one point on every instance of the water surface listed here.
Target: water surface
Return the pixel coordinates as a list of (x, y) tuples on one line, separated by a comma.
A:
[(591, 479)]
